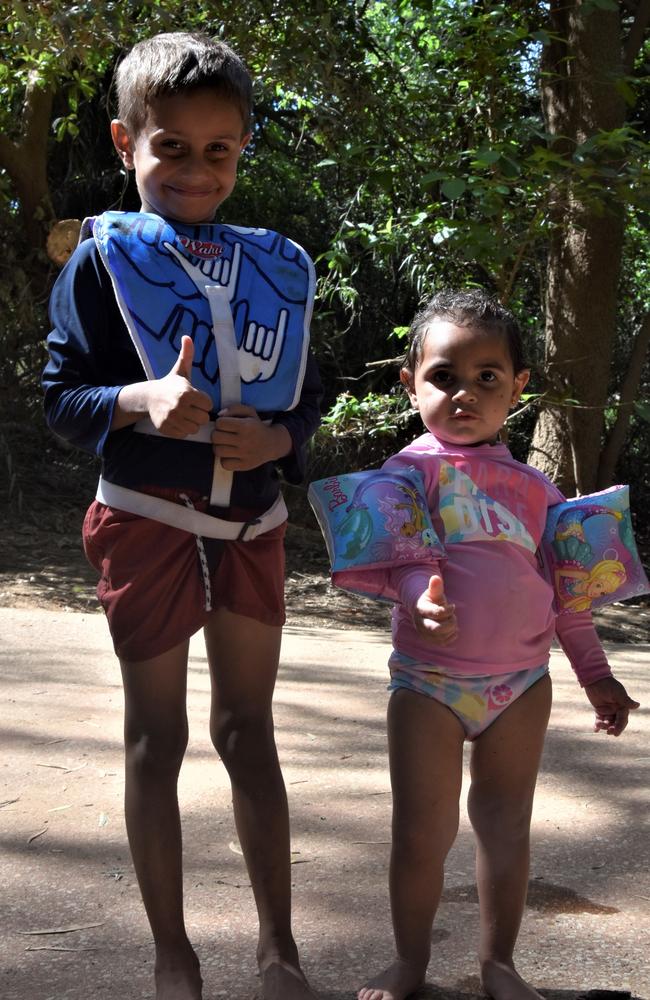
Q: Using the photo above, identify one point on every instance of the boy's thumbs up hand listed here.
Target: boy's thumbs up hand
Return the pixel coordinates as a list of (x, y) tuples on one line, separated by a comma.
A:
[(434, 617), (185, 359), (177, 409)]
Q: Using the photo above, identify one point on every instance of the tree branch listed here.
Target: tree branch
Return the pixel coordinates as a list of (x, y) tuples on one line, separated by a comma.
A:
[(25, 160), (614, 445), (637, 34), (506, 291), (37, 112), (10, 158)]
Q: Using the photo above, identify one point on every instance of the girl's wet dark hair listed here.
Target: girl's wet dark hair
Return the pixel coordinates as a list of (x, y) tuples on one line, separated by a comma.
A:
[(472, 307), (177, 62)]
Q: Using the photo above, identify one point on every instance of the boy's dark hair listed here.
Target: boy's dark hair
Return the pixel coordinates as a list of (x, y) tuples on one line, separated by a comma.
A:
[(177, 62), (471, 307)]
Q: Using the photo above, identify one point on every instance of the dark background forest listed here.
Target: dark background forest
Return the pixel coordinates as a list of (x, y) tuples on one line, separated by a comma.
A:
[(408, 146)]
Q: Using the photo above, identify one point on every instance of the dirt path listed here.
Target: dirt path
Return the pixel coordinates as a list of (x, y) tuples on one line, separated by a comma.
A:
[(73, 925)]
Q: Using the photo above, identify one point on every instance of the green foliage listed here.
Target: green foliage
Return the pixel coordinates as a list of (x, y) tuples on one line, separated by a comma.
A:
[(358, 433), (375, 414), (402, 143), (642, 407)]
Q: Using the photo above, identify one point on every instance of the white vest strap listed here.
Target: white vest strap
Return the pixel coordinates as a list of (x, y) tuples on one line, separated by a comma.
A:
[(202, 436), (223, 329), (193, 521)]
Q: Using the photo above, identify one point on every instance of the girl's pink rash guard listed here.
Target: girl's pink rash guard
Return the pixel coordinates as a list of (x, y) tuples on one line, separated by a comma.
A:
[(489, 511)]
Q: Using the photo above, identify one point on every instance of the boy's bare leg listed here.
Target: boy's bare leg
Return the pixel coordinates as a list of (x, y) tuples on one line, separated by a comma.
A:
[(155, 735), (243, 655), (425, 744), (504, 766)]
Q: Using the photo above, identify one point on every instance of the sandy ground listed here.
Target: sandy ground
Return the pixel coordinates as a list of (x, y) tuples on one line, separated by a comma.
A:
[(73, 925)]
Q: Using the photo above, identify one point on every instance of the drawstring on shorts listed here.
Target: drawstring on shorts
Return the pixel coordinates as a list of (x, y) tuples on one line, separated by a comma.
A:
[(203, 559)]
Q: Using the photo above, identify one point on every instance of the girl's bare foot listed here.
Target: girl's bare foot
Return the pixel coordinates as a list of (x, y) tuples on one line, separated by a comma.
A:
[(282, 980), (178, 976), (396, 982), (503, 982)]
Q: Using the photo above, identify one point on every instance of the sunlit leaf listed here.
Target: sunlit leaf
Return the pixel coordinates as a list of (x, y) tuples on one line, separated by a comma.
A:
[(454, 188)]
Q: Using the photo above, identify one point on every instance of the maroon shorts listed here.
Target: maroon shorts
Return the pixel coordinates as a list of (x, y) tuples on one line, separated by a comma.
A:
[(152, 584)]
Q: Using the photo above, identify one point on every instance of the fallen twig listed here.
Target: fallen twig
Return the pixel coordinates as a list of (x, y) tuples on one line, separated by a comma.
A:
[(61, 930)]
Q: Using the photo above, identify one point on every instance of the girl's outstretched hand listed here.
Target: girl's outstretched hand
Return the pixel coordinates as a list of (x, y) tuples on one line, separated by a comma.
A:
[(434, 617), (612, 704)]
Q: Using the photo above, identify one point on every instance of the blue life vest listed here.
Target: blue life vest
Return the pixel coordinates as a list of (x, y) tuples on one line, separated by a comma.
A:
[(167, 280)]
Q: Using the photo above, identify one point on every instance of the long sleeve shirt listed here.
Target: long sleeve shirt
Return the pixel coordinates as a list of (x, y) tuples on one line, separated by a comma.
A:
[(489, 511)]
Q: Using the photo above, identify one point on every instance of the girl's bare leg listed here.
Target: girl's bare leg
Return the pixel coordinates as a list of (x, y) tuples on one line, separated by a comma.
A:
[(425, 744), (504, 766), (155, 736), (243, 655)]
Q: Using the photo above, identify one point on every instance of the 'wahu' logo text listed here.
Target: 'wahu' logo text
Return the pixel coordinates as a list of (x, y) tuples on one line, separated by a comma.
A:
[(201, 248), (333, 486)]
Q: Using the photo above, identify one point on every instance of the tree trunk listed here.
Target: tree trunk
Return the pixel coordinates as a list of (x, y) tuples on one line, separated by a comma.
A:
[(580, 99), (25, 160)]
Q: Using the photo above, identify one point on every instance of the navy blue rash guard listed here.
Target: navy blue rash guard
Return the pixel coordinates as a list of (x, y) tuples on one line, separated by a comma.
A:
[(92, 357)]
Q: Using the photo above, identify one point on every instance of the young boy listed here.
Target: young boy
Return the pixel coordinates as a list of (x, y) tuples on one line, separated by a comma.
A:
[(190, 530)]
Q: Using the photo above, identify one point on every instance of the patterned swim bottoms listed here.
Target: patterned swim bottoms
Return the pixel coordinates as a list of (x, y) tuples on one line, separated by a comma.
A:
[(475, 700)]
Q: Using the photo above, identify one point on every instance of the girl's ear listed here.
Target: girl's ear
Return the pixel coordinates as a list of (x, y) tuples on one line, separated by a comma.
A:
[(406, 378), (122, 142), (521, 381)]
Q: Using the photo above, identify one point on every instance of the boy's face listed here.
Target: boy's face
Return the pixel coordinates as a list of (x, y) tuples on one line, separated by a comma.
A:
[(464, 384), (185, 156)]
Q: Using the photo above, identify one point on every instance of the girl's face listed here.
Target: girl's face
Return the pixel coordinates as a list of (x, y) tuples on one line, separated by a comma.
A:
[(465, 383)]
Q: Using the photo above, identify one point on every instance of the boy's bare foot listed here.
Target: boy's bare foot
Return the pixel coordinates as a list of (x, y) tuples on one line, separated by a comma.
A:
[(178, 976), (503, 982), (282, 980), (396, 982)]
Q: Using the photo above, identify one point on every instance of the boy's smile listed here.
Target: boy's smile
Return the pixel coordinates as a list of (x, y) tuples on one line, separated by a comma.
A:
[(464, 384), (185, 157)]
